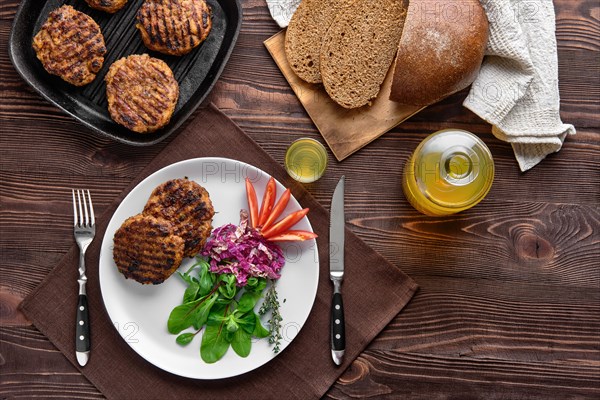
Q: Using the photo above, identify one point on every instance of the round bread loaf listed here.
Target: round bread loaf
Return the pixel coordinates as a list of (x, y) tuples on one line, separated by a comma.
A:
[(441, 50)]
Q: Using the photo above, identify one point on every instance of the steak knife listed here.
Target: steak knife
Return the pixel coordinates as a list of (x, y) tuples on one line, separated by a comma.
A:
[(336, 272)]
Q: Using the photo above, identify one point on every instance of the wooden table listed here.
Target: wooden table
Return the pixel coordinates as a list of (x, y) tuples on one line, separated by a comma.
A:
[(509, 305)]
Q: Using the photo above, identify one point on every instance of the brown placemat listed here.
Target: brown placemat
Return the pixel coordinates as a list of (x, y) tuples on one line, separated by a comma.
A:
[(374, 292)]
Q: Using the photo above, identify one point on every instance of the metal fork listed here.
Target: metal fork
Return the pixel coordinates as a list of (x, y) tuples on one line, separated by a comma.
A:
[(84, 231)]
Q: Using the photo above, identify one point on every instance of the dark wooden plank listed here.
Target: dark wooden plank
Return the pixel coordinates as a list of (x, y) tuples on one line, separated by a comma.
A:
[(393, 375), (532, 241), (100, 159), (483, 340), (33, 368), (487, 320)]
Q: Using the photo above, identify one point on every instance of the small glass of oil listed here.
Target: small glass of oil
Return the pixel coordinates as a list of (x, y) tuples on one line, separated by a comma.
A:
[(450, 171), (306, 160)]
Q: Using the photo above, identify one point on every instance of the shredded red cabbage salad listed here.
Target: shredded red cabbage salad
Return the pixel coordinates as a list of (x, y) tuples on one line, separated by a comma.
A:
[(242, 251)]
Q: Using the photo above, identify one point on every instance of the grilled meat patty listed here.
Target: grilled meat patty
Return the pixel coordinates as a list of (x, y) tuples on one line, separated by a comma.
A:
[(70, 45), (147, 249), (187, 206), (142, 93), (110, 6), (174, 27)]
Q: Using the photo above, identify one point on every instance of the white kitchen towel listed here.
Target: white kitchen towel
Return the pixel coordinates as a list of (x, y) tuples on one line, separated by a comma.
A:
[(282, 10), (517, 88)]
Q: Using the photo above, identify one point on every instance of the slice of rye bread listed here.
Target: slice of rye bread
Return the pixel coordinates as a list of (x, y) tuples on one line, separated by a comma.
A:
[(359, 48), (304, 35)]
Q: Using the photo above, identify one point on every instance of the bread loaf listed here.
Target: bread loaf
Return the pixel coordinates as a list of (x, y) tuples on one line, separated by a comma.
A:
[(440, 51), (359, 48), (304, 34)]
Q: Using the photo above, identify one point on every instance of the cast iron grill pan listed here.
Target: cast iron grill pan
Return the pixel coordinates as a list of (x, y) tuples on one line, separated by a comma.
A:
[(196, 72)]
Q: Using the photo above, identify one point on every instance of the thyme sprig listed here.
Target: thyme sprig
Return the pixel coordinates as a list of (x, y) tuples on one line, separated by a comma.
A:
[(271, 304)]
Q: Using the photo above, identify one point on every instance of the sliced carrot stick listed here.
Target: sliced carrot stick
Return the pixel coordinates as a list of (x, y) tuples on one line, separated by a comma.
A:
[(268, 202), (277, 209), (286, 223), (252, 203), (293, 236)]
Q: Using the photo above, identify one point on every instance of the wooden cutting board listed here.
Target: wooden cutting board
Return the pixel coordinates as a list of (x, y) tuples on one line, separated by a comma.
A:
[(344, 130)]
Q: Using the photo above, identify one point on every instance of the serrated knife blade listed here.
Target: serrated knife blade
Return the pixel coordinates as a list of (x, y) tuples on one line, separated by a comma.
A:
[(336, 272)]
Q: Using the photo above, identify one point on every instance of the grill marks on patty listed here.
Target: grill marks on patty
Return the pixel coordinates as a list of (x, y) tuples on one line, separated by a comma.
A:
[(109, 6), (70, 45), (147, 250), (142, 93), (187, 205), (174, 224), (174, 27)]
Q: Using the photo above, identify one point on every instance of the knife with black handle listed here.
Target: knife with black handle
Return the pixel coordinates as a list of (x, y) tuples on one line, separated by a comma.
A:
[(336, 273)]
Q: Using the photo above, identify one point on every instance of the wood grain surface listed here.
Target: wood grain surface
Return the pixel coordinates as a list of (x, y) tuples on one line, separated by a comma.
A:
[(509, 305)]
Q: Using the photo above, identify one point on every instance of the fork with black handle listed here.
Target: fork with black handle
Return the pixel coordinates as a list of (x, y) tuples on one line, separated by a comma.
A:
[(84, 231)]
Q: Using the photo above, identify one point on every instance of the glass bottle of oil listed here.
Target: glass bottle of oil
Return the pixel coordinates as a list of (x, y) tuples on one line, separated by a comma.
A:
[(306, 160), (450, 171)]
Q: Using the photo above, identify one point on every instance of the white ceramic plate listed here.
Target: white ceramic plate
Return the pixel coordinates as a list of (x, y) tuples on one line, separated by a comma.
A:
[(140, 312)]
